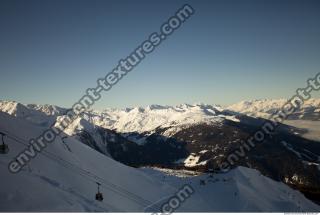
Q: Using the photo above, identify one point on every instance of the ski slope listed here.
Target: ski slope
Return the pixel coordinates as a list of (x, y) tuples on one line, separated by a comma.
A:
[(63, 178)]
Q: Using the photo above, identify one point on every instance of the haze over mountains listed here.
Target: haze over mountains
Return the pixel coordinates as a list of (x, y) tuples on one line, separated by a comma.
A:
[(185, 137)]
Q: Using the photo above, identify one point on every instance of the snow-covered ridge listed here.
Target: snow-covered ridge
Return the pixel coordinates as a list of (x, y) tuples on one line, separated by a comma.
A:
[(146, 119), (50, 110), (141, 119), (20, 110), (32, 113), (265, 107), (138, 119)]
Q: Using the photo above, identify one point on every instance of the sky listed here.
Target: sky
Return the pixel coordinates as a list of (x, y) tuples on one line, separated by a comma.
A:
[(51, 51)]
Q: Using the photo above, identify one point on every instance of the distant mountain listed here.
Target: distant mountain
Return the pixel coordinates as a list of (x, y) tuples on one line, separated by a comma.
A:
[(265, 108), (141, 119)]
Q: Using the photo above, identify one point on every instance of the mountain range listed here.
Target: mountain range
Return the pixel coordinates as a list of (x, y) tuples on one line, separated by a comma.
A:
[(185, 137)]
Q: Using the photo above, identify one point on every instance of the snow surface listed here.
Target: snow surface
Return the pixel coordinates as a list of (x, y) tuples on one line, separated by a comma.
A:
[(62, 178)]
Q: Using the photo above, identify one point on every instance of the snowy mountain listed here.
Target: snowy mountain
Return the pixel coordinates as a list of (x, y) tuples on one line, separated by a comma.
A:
[(136, 119), (20, 110), (195, 137), (64, 176), (310, 110), (146, 119), (141, 119)]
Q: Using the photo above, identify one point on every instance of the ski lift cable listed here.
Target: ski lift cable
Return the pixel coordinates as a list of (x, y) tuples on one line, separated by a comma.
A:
[(84, 173), (87, 173), (121, 191), (118, 189)]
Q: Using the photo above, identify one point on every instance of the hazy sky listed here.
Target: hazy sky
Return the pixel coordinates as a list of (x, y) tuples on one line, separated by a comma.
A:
[(229, 50)]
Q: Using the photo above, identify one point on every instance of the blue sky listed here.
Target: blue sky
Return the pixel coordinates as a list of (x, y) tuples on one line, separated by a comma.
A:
[(230, 50)]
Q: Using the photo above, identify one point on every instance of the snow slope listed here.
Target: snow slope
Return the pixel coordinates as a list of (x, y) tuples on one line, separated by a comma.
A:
[(240, 190), (62, 178)]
